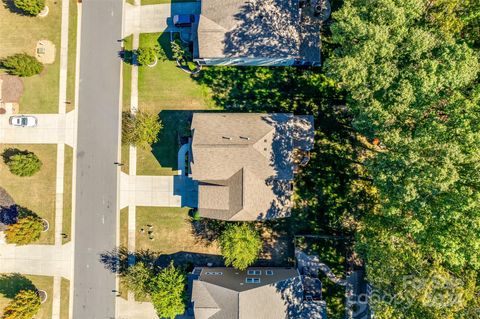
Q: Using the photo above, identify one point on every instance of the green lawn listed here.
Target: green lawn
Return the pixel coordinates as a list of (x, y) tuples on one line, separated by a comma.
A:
[(20, 34), (36, 192), (127, 90), (65, 299), (164, 89), (171, 231), (72, 49), (10, 285), (67, 194), (145, 2), (124, 227)]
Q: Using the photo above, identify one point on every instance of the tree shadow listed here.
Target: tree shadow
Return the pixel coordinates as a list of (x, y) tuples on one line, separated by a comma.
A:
[(24, 212), (164, 42), (128, 56), (206, 230), (175, 132), (10, 5), (9, 152), (118, 260), (8, 208), (12, 284)]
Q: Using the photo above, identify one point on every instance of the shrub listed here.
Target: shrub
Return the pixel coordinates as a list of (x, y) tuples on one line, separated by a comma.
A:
[(30, 7), (138, 279), (240, 245), (147, 55), (179, 50), (168, 292), (25, 305), (141, 129), (23, 163), (25, 231), (22, 64)]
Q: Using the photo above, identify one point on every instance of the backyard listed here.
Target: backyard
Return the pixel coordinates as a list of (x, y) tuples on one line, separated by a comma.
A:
[(11, 284), (35, 193)]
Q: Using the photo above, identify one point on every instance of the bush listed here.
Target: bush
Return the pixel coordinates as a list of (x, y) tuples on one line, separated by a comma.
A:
[(147, 55), (31, 7), (179, 50), (25, 305), (141, 129), (25, 231), (138, 279), (240, 245), (23, 163), (168, 292), (22, 64)]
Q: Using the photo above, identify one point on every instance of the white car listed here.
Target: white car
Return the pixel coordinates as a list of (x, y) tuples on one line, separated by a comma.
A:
[(23, 120)]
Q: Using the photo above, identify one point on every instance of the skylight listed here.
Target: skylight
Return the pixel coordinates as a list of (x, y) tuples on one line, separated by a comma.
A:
[(254, 272), (249, 280)]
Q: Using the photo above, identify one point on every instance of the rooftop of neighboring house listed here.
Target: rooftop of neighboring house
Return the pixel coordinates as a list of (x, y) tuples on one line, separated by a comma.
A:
[(229, 293), (245, 162), (256, 29)]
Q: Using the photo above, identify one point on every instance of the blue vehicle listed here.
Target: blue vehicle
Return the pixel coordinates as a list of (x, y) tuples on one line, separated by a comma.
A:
[(183, 20)]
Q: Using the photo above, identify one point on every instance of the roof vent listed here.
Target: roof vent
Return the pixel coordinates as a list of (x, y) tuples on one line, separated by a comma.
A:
[(244, 138), (226, 137)]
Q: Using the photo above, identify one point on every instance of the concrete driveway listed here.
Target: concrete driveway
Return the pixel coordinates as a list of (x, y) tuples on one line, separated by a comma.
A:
[(155, 18), (148, 191), (51, 129)]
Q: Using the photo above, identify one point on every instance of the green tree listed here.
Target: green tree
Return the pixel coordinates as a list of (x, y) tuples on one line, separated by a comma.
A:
[(25, 305), (168, 292), (141, 129), (24, 163), (147, 55), (179, 50), (25, 231), (22, 64), (138, 279), (30, 7), (240, 245)]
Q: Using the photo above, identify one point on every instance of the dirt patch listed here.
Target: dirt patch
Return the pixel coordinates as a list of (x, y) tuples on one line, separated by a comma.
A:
[(277, 249), (11, 88), (45, 51)]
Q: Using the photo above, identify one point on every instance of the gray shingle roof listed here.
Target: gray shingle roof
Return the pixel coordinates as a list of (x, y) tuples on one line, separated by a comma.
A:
[(244, 162), (228, 296), (255, 29)]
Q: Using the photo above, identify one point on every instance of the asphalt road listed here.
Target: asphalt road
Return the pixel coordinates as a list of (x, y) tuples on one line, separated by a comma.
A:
[(97, 150)]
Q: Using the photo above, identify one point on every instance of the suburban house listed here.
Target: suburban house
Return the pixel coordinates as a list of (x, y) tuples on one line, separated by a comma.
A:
[(258, 292), (245, 163), (257, 33)]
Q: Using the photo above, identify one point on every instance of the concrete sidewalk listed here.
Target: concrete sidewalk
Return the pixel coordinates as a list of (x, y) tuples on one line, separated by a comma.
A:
[(155, 18), (42, 260), (51, 129), (148, 191)]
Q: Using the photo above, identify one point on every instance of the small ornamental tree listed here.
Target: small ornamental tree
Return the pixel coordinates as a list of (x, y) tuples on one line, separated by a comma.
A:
[(179, 51), (25, 231), (25, 305), (30, 7), (141, 129), (138, 279), (24, 164), (168, 292), (22, 64), (240, 245), (147, 55)]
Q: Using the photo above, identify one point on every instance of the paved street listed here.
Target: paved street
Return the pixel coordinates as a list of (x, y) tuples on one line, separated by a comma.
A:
[(97, 150)]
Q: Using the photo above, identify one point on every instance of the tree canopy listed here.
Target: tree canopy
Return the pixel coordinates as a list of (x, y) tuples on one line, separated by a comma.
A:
[(141, 129), (23, 163), (25, 305), (240, 245), (22, 64), (414, 86), (30, 7), (25, 231), (168, 292)]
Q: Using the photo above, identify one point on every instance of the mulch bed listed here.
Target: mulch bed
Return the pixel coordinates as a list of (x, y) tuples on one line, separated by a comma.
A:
[(12, 88)]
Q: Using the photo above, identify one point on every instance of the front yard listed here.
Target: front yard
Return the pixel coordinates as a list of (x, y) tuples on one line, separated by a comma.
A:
[(10, 285), (164, 89), (171, 232), (37, 192)]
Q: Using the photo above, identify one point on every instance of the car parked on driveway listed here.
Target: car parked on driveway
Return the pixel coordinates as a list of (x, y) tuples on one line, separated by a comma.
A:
[(183, 20), (23, 120)]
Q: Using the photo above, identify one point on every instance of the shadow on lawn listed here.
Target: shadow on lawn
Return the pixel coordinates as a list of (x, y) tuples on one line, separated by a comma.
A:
[(12, 284), (176, 127), (117, 260)]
